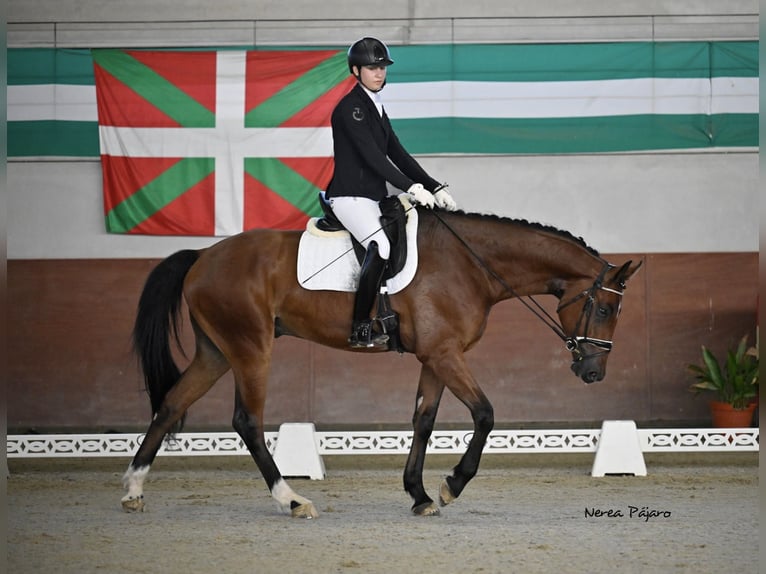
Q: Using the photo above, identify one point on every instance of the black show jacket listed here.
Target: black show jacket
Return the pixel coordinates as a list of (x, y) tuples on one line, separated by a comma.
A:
[(363, 144)]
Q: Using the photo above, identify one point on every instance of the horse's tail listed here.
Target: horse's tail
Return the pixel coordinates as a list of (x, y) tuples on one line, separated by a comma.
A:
[(159, 314)]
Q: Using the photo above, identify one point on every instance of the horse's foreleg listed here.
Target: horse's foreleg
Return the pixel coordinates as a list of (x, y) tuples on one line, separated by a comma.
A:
[(248, 422), (426, 407), (203, 372), (483, 421), (459, 380)]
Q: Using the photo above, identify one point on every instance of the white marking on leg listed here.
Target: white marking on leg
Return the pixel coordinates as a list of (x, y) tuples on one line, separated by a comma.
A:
[(285, 496), (133, 481), (419, 402)]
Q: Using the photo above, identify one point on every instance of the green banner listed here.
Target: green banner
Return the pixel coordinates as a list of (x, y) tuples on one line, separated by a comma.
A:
[(460, 98)]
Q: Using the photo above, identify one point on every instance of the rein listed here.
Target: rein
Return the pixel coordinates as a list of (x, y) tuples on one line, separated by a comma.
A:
[(572, 342)]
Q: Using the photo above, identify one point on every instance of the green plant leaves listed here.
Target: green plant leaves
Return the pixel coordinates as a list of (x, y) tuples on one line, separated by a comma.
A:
[(736, 382)]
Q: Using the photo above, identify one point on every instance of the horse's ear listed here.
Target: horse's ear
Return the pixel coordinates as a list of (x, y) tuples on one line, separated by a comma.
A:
[(626, 272)]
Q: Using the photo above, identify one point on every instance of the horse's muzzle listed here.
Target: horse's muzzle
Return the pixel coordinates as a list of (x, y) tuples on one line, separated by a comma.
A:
[(587, 371)]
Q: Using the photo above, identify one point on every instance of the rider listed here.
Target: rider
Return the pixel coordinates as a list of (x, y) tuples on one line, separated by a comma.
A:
[(367, 155)]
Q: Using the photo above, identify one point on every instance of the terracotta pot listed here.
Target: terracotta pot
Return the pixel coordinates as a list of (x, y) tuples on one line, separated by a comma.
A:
[(726, 416)]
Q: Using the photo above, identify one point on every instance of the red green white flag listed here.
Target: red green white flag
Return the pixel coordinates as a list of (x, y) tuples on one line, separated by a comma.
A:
[(215, 142)]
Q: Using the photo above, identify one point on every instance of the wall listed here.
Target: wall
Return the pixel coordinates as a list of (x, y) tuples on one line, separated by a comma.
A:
[(645, 203), (199, 22), (691, 216)]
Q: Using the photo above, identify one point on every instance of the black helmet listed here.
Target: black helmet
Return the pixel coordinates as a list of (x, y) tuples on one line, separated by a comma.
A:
[(368, 52)]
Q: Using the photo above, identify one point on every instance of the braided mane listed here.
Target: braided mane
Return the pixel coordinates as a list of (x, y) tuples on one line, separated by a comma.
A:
[(532, 225)]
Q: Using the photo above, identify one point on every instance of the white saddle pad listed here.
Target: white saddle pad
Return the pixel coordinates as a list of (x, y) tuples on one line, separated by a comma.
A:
[(326, 260)]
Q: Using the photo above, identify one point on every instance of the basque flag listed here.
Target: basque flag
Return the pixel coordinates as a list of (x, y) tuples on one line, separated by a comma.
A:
[(215, 142)]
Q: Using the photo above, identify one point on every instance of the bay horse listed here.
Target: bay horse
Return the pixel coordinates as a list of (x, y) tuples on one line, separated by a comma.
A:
[(243, 291)]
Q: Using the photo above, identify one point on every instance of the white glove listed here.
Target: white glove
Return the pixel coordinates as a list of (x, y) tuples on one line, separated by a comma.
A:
[(421, 195), (444, 200)]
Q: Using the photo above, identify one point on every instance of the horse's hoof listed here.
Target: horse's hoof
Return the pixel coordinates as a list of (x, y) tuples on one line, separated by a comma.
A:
[(133, 504), (306, 511), (445, 494), (426, 509)]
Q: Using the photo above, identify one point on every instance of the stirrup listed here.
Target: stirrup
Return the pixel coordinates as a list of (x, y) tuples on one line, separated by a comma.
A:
[(363, 337)]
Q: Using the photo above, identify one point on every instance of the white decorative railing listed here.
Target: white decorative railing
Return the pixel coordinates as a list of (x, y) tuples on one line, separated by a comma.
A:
[(680, 440), (383, 442)]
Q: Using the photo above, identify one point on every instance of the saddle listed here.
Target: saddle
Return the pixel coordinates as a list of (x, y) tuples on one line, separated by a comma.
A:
[(393, 221)]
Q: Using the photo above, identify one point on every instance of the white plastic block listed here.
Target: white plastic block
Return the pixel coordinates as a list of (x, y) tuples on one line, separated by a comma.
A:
[(619, 450), (296, 453)]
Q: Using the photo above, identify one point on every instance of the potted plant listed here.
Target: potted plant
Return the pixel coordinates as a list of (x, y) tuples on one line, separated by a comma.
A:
[(734, 383)]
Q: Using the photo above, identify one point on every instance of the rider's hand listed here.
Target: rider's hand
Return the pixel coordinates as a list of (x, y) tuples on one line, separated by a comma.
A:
[(421, 195), (444, 200)]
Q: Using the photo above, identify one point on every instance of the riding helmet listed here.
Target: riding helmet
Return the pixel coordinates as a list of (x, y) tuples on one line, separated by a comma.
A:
[(368, 52)]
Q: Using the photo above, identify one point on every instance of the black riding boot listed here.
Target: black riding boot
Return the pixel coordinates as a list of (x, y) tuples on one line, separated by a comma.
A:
[(370, 277)]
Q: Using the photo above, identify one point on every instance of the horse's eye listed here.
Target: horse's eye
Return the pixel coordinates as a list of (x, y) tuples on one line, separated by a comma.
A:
[(603, 312)]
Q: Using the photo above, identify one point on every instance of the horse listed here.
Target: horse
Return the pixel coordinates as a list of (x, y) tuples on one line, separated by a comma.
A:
[(243, 292)]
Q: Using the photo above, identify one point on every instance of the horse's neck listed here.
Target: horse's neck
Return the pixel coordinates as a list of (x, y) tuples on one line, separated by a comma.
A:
[(530, 261), (552, 262)]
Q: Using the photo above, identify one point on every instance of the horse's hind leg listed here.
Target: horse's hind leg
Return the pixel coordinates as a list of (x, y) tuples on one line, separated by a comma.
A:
[(250, 400), (207, 367), (250, 428)]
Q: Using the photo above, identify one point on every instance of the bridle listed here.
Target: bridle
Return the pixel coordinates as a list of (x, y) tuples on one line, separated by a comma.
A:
[(572, 341)]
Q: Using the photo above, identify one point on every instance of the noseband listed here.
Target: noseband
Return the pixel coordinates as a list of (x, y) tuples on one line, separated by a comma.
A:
[(573, 341)]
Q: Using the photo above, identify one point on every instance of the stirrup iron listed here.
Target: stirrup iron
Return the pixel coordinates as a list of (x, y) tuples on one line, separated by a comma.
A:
[(364, 337)]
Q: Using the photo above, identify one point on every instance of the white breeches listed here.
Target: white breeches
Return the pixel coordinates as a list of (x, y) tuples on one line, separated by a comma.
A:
[(361, 216)]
